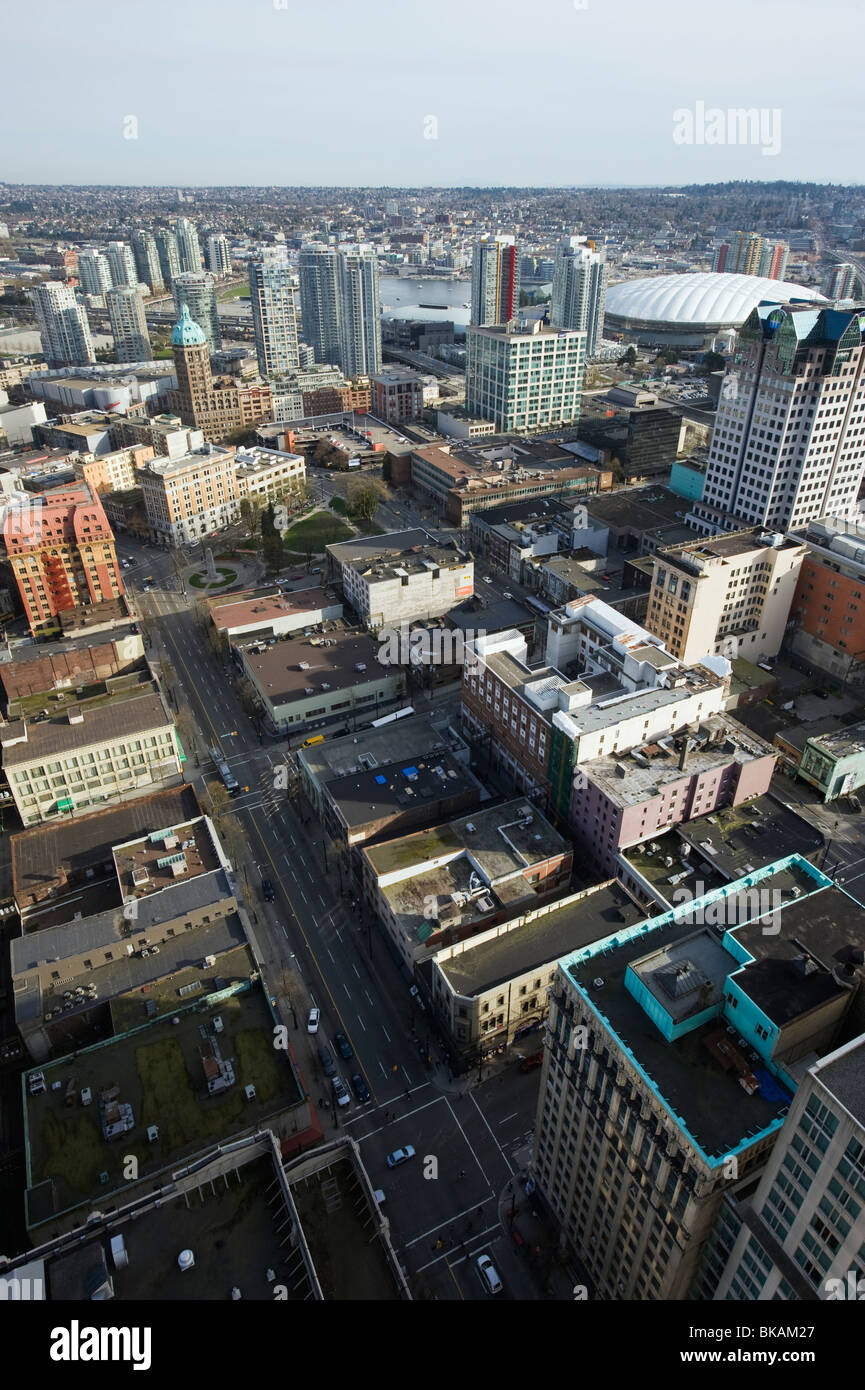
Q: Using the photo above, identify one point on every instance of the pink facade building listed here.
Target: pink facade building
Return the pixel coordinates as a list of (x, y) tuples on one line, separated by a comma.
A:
[(618, 802)]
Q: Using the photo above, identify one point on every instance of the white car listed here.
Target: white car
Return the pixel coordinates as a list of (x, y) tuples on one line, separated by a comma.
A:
[(340, 1093), (313, 1021), (507, 595), (487, 579), (488, 1274)]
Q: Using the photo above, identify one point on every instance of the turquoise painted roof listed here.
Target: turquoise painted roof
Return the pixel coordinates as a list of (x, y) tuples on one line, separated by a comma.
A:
[(186, 332)]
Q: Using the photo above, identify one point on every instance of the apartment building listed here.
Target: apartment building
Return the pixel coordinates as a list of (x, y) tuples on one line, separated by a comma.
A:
[(61, 551), (437, 886), (398, 394), (536, 724), (268, 474), (495, 294), (671, 1065), (403, 586), (633, 797), (128, 323), (92, 754), (798, 1236), (114, 472), (828, 610), (189, 497), (523, 375), (786, 447), (729, 594), (274, 315), (63, 326)]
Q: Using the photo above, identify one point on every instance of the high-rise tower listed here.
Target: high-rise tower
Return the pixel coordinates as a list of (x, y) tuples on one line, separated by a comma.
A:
[(63, 325), (199, 292), (580, 289), (273, 312), (128, 324), (495, 280)]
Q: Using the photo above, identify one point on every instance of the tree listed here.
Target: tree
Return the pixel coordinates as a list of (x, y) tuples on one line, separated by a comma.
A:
[(364, 495), (714, 361), (251, 509), (629, 358)]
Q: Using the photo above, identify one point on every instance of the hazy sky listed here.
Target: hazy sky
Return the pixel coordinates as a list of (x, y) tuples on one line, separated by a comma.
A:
[(340, 91)]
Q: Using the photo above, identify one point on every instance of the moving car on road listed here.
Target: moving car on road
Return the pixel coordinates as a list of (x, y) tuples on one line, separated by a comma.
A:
[(399, 1156), (313, 1021), (267, 890), (488, 1275), (359, 1086)]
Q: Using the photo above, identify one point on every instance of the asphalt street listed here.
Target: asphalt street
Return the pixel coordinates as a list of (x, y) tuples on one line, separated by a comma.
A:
[(464, 1142)]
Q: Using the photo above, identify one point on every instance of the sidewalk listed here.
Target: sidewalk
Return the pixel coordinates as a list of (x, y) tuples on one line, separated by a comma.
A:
[(535, 1234)]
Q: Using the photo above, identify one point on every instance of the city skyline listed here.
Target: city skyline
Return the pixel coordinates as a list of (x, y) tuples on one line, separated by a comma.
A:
[(429, 120)]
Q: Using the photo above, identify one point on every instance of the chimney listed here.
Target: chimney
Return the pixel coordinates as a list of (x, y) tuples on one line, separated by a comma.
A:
[(683, 756)]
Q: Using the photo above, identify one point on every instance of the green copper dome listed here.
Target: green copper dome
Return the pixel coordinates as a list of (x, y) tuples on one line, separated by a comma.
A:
[(186, 332)]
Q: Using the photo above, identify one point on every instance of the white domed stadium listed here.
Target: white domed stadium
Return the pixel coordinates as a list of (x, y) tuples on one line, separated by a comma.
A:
[(696, 310)]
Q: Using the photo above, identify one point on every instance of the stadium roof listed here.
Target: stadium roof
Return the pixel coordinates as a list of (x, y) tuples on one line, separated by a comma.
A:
[(704, 297)]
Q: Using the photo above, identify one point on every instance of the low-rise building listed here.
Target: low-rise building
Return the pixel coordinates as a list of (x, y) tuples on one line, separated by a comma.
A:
[(29, 669), (272, 612), (492, 990), (397, 394), (109, 751), (834, 763), (372, 803), (189, 497), (308, 682), (630, 798), (268, 473), (406, 585), (437, 886)]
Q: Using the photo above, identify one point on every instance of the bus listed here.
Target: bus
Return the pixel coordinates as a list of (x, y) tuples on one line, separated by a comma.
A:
[(229, 781), (389, 718)]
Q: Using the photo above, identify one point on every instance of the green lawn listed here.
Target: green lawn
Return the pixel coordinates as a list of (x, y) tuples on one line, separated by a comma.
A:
[(234, 291), (338, 504), (317, 531), (200, 581)]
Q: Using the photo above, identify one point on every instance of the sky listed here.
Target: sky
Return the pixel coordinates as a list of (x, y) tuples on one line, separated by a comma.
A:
[(401, 93)]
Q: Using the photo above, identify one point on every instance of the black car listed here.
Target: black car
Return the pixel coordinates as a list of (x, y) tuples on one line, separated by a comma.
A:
[(327, 1062), (267, 890), (345, 1048), (359, 1086)]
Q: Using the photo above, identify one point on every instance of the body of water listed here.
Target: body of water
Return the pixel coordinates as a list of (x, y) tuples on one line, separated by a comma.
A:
[(446, 294)]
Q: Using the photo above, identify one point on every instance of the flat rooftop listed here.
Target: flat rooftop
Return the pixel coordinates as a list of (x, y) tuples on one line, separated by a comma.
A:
[(417, 736), (302, 667), (638, 508), (50, 857), (22, 651), (628, 781), (726, 547), (391, 543), (814, 919), (269, 608), (596, 913), (843, 743), (844, 1074), (115, 718), (750, 835), (390, 789), (159, 1072), (152, 862), (501, 840), (392, 565)]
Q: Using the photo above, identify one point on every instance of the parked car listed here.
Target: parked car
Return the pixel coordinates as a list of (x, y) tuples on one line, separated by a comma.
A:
[(267, 890), (327, 1062), (488, 1274), (359, 1086), (344, 1047), (313, 1021), (399, 1156), (341, 1095)]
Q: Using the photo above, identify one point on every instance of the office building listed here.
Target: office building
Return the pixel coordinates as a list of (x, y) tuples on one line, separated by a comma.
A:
[(273, 312), (580, 289), (319, 300), (189, 497), (495, 296), (63, 326), (730, 594), (634, 430), (217, 256), (459, 479), (434, 887), (798, 1235), (146, 253), (217, 407), (128, 324), (359, 311), (310, 682), (94, 271), (122, 264), (188, 246), (169, 255), (61, 550), (198, 292), (672, 1055), (787, 445), (524, 376), (89, 756)]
